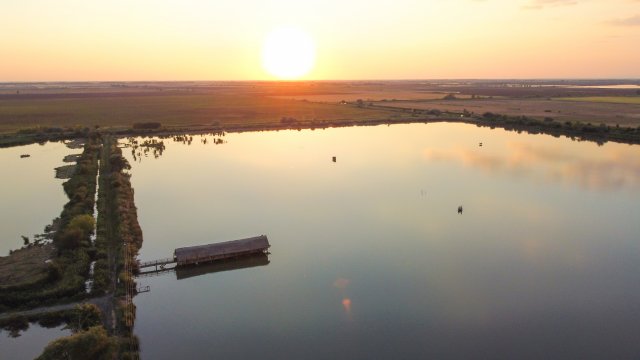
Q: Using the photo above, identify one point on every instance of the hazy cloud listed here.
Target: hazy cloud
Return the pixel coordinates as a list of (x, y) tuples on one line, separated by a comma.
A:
[(539, 4), (630, 21), (618, 169)]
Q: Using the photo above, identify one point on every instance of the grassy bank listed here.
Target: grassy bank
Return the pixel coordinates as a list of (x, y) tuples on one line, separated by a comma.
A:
[(26, 268), (575, 130)]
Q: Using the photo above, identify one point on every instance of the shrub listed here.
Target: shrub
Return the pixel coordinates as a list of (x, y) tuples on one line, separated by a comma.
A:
[(55, 319), (91, 344), (85, 222), (118, 163), (70, 239), (86, 316), (54, 271)]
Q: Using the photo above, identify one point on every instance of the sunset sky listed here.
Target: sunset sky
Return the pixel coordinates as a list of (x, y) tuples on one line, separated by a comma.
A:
[(121, 40)]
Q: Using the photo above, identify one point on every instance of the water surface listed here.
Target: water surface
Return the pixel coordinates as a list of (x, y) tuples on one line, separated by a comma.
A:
[(31, 195), (370, 258), (30, 343)]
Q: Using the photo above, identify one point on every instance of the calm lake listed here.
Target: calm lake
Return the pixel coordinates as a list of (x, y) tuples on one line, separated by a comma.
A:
[(370, 258), (30, 343), (31, 195)]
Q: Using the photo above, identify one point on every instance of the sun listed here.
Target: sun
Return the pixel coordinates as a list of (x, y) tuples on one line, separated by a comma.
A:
[(288, 53)]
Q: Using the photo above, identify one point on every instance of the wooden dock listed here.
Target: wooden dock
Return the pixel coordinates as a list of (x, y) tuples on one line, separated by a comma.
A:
[(194, 255), (158, 264), (189, 271)]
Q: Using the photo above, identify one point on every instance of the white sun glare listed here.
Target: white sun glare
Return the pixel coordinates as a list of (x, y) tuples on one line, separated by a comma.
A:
[(288, 53)]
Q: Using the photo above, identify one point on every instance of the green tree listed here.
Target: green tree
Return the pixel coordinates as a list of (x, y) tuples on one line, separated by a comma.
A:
[(91, 344), (88, 315), (118, 163), (70, 238), (86, 223)]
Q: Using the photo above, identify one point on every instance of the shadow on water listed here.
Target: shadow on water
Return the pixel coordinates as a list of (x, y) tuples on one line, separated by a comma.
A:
[(185, 272), (189, 271)]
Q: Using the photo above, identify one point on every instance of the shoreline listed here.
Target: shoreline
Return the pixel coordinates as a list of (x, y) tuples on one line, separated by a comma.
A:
[(574, 130)]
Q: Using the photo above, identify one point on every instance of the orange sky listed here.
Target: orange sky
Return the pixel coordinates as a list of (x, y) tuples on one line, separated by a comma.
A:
[(400, 39)]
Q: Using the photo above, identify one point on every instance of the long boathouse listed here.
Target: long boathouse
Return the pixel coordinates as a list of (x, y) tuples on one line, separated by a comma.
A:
[(219, 251), (194, 255)]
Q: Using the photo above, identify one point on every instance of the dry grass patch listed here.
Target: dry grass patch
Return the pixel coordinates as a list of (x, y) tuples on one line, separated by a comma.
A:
[(606, 99), (25, 266), (169, 110), (583, 111)]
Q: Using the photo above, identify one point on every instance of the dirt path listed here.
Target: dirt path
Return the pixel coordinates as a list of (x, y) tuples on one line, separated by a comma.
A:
[(112, 250)]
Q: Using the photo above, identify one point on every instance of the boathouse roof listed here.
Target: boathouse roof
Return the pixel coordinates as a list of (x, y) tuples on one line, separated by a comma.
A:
[(224, 249)]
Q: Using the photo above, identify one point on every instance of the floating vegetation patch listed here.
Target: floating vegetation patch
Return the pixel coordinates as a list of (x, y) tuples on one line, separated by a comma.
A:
[(72, 158), (65, 171)]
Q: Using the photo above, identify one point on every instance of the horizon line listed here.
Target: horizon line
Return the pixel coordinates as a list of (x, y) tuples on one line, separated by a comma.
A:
[(329, 80)]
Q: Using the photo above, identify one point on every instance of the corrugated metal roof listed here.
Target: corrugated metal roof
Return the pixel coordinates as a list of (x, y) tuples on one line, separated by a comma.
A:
[(223, 248)]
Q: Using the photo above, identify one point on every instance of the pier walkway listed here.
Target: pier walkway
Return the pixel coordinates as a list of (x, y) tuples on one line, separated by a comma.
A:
[(158, 264), (195, 255)]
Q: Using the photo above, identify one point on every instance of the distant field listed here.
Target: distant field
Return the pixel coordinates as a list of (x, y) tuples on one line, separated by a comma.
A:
[(372, 95), (584, 111), (606, 99), (168, 109), (253, 104)]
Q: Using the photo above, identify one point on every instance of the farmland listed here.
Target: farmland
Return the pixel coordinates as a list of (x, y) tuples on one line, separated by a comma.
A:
[(178, 106), (172, 109), (607, 99), (623, 114)]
